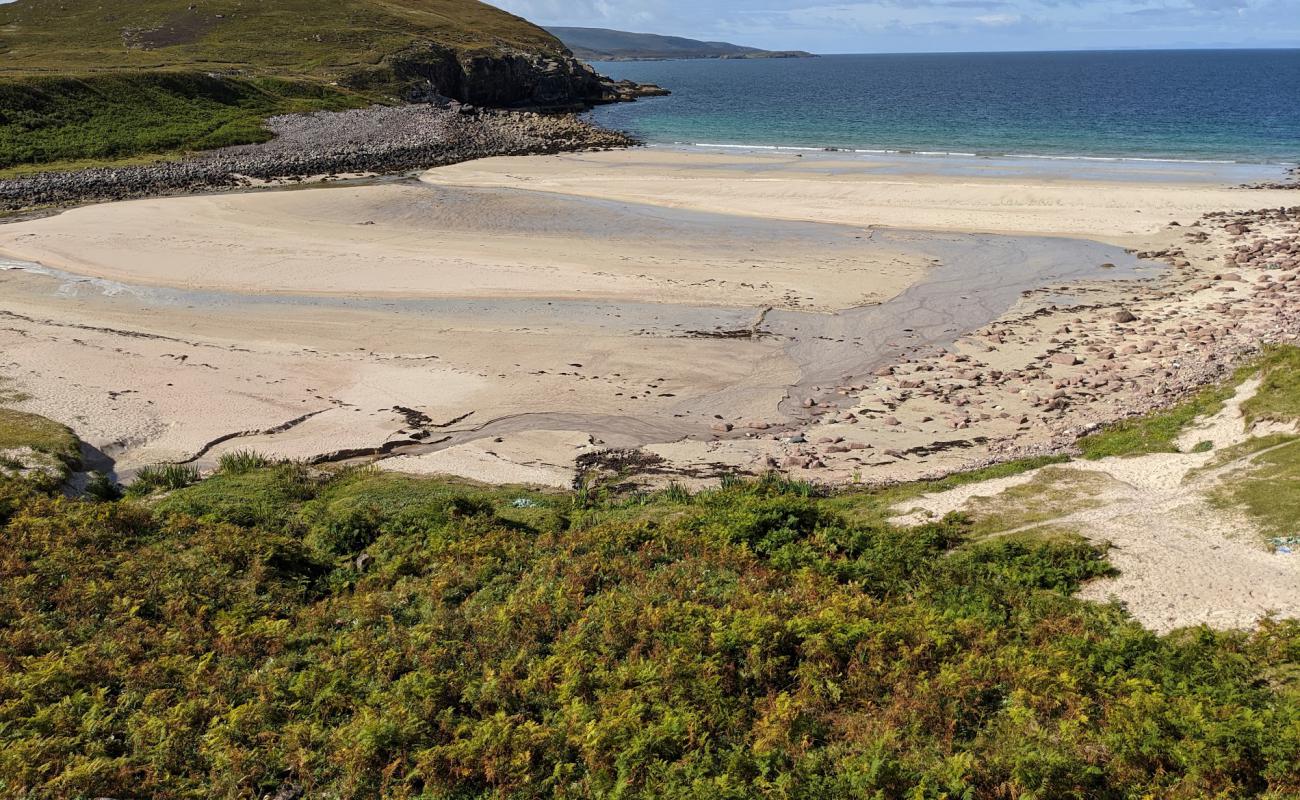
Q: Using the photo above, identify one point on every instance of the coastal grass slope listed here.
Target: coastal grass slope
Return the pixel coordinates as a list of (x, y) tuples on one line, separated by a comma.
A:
[(118, 115), (36, 448), (86, 79)]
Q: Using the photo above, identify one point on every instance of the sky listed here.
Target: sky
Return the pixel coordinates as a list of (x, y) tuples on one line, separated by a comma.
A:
[(892, 26)]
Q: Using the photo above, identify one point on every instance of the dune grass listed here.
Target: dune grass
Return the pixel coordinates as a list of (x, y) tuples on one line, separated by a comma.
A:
[(1278, 397), (357, 634), (163, 478), (22, 430), (241, 461), (1268, 490)]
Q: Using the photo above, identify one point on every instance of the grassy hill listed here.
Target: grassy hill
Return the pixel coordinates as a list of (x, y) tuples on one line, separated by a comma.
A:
[(603, 44), (97, 79), (323, 39)]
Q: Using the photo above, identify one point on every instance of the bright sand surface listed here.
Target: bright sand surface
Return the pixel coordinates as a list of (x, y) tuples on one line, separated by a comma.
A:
[(1124, 203), (465, 299)]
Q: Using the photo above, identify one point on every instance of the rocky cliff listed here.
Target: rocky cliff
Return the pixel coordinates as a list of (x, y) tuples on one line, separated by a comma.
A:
[(507, 78)]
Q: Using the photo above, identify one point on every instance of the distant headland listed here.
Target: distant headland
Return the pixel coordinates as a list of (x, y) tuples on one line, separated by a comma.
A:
[(603, 44)]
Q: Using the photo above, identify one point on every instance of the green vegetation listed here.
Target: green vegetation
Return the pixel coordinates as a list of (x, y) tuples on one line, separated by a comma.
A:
[(1051, 494), (241, 461), (363, 635), (107, 80), (164, 478), (1278, 397), (115, 116), (1157, 432), (322, 39), (43, 450), (1270, 490), (19, 430)]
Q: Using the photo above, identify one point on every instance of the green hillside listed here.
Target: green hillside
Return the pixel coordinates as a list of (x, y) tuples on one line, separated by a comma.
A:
[(111, 79), (325, 39)]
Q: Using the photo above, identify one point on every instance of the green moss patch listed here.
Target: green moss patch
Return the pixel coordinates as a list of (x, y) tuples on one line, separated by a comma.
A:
[(20, 430)]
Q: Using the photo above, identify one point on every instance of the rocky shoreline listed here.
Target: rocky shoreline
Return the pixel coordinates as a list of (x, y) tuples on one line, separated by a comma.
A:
[(368, 141), (1034, 382)]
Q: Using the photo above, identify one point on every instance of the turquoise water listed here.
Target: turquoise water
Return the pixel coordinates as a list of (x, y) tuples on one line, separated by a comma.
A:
[(1212, 105)]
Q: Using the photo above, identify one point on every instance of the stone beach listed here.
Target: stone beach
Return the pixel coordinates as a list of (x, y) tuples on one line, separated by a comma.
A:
[(369, 141)]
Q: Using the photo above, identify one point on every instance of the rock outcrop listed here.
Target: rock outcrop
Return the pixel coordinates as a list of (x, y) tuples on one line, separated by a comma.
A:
[(509, 79)]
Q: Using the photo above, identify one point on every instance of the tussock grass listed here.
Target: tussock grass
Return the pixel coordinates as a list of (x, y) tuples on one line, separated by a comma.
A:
[(241, 461), (164, 478)]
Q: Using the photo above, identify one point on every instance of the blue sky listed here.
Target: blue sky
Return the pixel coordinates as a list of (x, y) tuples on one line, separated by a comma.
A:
[(825, 26)]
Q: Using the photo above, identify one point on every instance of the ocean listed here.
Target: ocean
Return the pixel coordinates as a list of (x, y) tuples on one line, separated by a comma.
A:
[(1182, 105)]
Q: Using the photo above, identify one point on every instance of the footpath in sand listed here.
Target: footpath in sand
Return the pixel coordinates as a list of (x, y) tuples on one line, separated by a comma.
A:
[(1182, 558)]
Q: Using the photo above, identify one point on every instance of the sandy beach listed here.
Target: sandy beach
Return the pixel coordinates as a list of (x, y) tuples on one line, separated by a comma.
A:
[(649, 316), (708, 307), (688, 302)]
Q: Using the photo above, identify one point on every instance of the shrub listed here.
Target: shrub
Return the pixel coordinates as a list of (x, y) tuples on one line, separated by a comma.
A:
[(103, 488), (753, 642)]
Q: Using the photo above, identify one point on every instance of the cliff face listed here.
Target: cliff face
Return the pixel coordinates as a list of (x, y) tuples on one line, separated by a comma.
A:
[(101, 79), (504, 79)]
